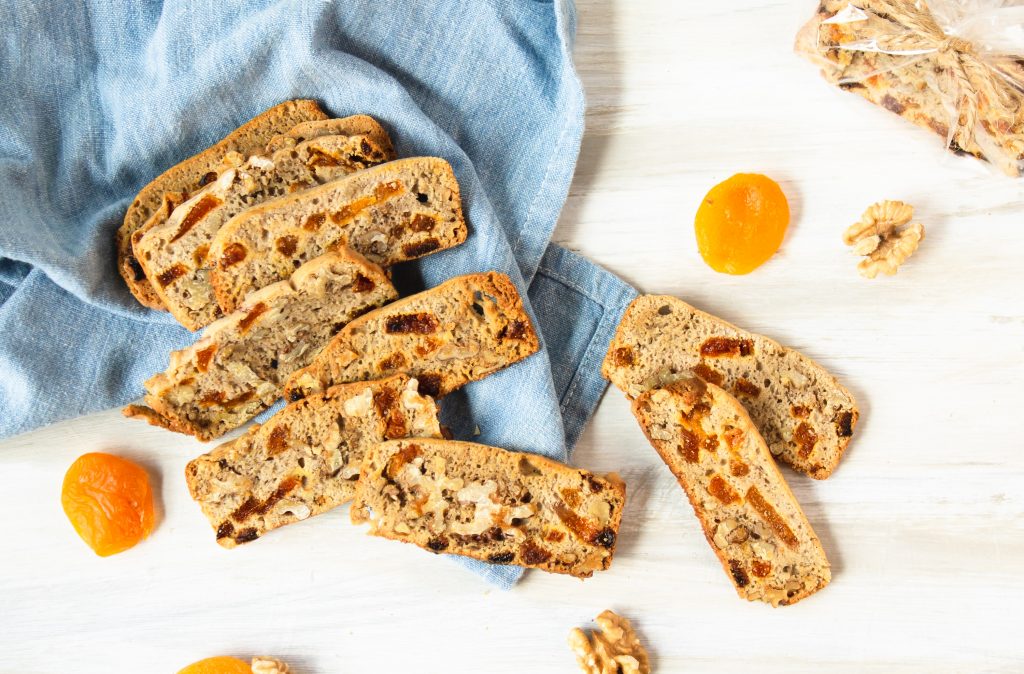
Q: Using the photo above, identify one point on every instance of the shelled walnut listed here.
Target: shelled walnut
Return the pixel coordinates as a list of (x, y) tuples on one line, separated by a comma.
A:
[(614, 650), (265, 665), (884, 238)]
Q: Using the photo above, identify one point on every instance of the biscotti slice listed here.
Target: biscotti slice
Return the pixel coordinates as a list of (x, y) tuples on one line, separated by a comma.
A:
[(490, 504), (305, 459), (173, 252), (398, 211), (462, 330), (750, 517), (353, 125), (237, 368), (195, 173), (802, 411)]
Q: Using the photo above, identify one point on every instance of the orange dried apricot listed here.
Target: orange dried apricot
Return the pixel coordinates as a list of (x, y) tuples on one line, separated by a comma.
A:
[(741, 222), (109, 502), (222, 664)]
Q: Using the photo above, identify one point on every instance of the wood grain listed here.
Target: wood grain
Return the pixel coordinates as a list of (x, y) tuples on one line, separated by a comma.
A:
[(924, 520)]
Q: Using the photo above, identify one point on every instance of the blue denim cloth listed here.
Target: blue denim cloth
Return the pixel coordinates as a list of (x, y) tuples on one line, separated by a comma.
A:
[(99, 97)]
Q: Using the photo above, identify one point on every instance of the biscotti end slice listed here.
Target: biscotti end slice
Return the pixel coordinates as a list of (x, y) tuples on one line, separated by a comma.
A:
[(237, 368), (173, 250), (462, 330), (490, 504), (390, 213), (750, 517), (802, 411), (305, 459), (194, 173)]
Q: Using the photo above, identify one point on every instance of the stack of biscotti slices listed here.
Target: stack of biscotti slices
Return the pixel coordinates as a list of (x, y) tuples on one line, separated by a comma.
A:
[(378, 442), (717, 403), (265, 176), (195, 173), (374, 384), (173, 251), (398, 211), (250, 210), (271, 241), (296, 337), (239, 365)]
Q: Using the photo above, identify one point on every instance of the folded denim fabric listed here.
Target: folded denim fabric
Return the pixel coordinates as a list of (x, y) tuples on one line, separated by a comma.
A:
[(101, 97)]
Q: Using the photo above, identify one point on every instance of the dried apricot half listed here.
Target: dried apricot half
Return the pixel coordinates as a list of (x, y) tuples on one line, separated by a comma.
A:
[(109, 502), (741, 222), (222, 664)]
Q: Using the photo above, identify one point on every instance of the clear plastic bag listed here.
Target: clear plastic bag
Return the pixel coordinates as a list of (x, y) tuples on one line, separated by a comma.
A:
[(953, 66)]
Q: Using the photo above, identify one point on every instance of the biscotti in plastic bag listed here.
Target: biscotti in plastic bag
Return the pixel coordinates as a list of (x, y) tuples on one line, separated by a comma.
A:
[(955, 67)]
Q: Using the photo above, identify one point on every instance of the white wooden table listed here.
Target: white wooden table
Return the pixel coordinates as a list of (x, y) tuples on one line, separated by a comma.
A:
[(923, 522)]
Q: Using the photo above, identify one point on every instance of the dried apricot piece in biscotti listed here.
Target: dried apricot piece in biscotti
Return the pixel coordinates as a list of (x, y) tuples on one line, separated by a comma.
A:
[(222, 664), (741, 222), (109, 502)]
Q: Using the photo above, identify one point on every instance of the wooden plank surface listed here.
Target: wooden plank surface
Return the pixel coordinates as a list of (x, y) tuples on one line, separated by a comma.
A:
[(923, 521)]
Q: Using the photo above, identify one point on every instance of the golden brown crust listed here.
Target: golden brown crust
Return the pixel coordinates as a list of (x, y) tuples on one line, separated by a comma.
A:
[(170, 201), (354, 125), (186, 176)]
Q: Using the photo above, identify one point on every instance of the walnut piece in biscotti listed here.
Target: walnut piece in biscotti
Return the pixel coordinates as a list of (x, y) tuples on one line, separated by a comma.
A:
[(883, 236), (614, 650)]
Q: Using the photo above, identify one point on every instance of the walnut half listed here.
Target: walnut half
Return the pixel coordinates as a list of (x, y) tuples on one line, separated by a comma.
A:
[(884, 238), (614, 650), (265, 665)]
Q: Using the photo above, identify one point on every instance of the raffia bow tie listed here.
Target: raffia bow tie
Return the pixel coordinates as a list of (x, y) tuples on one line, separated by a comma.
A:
[(977, 82)]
